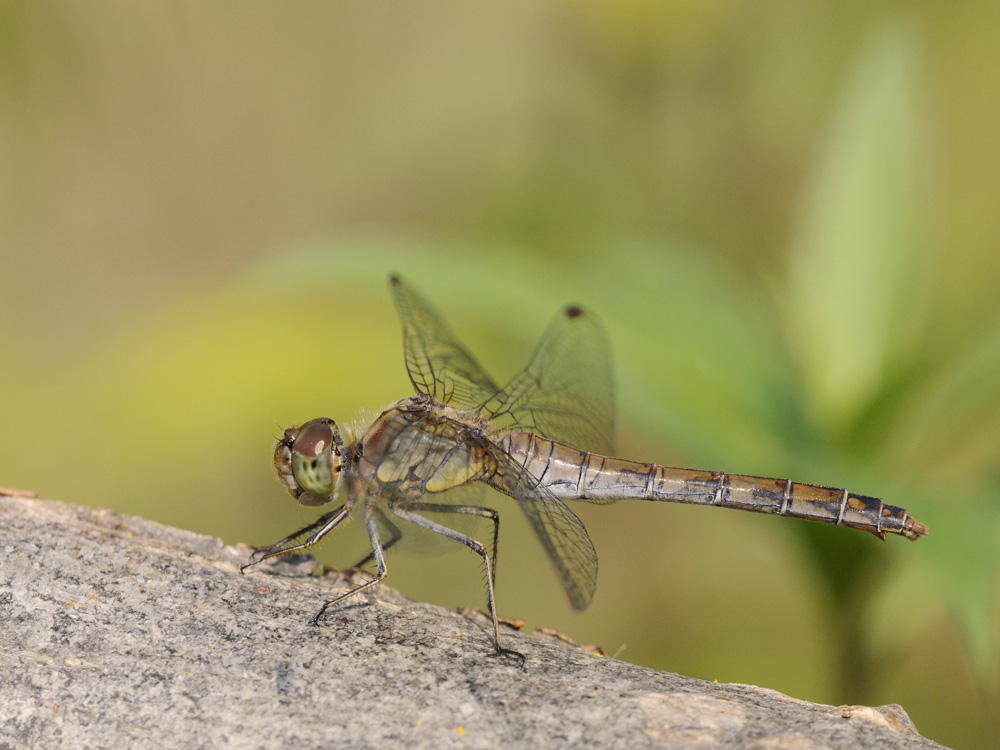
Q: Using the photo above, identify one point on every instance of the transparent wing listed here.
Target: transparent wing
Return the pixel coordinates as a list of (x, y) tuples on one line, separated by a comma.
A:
[(566, 392), (438, 365), (561, 533)]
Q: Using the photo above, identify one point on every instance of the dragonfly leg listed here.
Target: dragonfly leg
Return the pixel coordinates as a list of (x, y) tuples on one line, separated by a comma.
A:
[(316, 530), (394, 533), (405, 511), (380, 568), (468, 510)]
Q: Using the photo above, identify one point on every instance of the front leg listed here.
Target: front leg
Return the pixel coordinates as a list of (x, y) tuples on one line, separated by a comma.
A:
[(377, 553), (316, 530)]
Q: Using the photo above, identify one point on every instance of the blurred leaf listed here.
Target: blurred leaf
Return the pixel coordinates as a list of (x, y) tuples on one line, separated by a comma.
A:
[(964, 557), (853, 297), (955, 566), (951, 427)]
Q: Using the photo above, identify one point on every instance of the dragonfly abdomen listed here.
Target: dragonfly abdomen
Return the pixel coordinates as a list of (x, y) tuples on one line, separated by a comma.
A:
[(572, 474)]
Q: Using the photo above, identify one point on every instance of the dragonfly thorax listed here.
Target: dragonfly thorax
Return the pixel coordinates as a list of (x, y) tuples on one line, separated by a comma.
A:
[(308, 460)]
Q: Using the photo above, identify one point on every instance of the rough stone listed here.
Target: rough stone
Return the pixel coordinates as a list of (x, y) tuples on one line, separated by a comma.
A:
[(120, 632)]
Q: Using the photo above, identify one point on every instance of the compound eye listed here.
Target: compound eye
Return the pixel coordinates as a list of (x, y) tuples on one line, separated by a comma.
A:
[(313, 439), (315, 461)]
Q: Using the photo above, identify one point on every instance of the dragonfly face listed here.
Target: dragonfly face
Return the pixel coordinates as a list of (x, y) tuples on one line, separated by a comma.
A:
[(308, 460)]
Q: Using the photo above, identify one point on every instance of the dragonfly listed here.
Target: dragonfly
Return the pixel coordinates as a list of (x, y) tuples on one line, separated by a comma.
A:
[(543, 439)]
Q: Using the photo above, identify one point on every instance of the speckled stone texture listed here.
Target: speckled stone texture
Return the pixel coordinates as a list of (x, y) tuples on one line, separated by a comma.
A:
[(122, 633)]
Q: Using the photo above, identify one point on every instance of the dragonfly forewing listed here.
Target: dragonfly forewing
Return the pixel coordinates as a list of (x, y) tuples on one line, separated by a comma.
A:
[(437, 363)]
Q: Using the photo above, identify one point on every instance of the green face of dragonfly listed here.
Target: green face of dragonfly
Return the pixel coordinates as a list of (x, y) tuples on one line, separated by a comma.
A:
[(308, 461)]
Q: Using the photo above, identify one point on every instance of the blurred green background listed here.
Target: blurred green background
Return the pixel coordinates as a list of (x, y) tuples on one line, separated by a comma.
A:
[(786, 216)]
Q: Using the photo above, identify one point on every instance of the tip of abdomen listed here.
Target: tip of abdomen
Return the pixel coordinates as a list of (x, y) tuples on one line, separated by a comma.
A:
[(913, 529)]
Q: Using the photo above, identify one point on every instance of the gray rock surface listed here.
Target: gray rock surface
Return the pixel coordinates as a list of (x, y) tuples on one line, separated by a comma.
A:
[(122, 633)]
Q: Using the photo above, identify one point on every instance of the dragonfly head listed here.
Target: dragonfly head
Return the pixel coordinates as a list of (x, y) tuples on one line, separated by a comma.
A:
[(308, 460)]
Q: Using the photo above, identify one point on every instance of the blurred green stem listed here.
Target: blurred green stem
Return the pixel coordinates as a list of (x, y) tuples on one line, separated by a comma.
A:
[(855, 663), (851, 569)]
